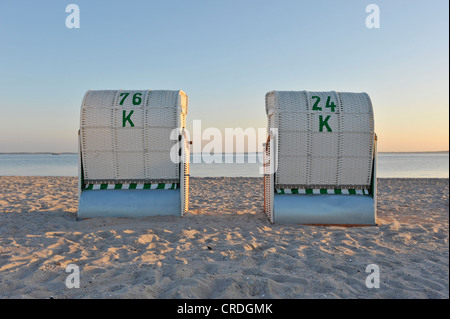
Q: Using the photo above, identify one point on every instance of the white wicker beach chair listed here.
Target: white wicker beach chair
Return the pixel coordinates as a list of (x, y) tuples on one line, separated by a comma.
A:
[(320, 158), (125, 145)]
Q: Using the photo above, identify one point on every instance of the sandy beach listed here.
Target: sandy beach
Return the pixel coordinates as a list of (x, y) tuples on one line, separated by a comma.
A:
[(223, 248)]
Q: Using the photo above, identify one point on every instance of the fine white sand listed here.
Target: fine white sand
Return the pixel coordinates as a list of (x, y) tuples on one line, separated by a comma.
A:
[(223, 248)]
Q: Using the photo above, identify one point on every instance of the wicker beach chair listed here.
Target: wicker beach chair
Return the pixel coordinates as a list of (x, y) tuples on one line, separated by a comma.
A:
[(131, 164), (320, 158)]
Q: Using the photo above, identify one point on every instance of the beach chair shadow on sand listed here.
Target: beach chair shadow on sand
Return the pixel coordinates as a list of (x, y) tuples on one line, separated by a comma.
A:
[(133, 154), (320, 158)]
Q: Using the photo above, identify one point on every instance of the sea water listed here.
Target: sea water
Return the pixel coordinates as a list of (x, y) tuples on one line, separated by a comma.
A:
[(397, 165)]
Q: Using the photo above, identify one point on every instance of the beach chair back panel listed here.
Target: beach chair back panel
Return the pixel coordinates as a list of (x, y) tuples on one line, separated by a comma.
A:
[(325, 139), (125, 134)]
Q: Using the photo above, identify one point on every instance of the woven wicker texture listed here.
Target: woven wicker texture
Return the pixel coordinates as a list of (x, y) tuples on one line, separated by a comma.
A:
[(125, 134), (267, 181), (325, 139), (185, 174)]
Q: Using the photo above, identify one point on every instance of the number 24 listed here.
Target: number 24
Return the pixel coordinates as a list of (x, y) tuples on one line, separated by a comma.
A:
[(331, 105)]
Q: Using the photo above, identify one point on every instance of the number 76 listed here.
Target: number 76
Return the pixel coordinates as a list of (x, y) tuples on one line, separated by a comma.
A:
[(136, 98)]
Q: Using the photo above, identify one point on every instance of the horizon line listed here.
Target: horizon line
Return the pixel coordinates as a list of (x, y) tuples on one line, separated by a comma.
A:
[(62, 153)]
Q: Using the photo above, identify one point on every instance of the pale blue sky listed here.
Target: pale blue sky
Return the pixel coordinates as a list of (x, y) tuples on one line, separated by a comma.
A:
[(225, 55)]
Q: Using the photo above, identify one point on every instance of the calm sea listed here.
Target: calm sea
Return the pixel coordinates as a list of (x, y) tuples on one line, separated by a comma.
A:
[(421, 165)]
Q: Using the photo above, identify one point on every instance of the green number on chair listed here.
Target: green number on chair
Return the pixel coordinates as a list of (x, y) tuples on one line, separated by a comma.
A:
[(331, 105), (315, 106), (137, 98), (126, 94)]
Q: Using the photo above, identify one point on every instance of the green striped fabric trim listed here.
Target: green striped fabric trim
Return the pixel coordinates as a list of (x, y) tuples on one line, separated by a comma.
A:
[(322, 191), (132, 186)]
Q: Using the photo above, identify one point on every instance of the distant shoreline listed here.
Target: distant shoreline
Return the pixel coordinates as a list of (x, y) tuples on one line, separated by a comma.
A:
[(432, 152), (36, 153), (65, 153)]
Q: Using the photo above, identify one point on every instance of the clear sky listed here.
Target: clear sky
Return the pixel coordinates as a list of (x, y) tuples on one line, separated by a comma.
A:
[(225, 55)]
